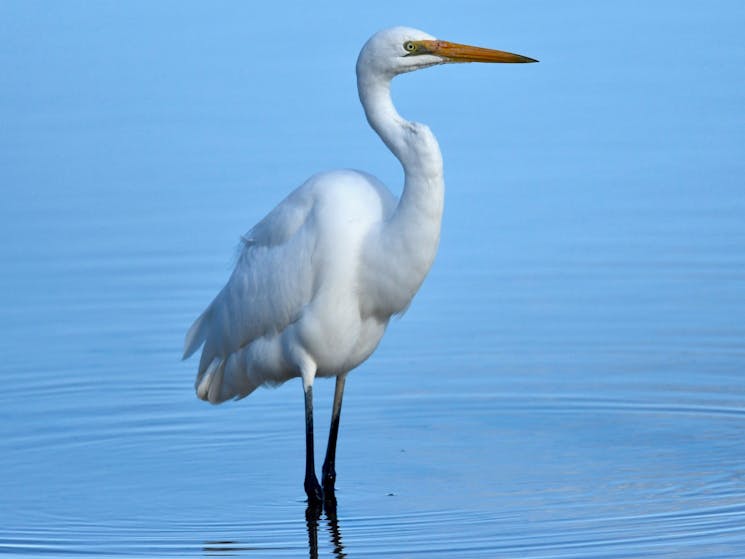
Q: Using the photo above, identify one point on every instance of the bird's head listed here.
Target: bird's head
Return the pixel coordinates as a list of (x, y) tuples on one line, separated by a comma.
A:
[(402, 49)]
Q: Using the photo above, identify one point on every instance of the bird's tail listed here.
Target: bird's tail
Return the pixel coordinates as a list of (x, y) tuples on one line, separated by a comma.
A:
[(219, 378), (209, 382), (221, 381)]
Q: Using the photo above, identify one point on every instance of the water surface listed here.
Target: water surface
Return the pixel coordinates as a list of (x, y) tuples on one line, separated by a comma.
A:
[(568, 383)]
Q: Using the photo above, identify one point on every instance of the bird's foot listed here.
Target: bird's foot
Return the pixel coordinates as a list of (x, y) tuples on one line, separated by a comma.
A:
[(314, 491), (329, 481)]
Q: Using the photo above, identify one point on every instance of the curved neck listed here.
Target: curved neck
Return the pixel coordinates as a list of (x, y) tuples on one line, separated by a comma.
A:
[(412, 143), (410, 236), (375, 96)]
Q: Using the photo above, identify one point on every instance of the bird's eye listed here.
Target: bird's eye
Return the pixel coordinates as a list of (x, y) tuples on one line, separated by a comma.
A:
[(410, 46)]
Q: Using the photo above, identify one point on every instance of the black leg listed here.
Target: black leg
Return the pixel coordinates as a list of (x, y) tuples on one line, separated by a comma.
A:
[(329, 463), (312, 487)]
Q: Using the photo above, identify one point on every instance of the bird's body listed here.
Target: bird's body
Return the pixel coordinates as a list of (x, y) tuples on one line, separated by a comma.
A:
[(319, 278), (295, 295)]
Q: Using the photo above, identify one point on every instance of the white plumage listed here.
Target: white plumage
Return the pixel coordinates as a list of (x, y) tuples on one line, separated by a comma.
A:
[(320, 276), (294, 296)]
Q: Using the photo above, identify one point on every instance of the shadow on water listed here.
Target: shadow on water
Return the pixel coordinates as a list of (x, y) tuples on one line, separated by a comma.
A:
[(313, 513)]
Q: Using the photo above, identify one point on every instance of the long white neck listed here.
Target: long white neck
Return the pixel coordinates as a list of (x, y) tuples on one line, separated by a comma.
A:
[(408, 240)]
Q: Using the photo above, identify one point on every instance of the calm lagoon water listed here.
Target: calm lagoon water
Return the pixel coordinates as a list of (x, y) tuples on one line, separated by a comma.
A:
[(568, 383)]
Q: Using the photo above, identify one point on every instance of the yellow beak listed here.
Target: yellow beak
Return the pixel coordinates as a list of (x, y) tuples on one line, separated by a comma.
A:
[(466, 53)]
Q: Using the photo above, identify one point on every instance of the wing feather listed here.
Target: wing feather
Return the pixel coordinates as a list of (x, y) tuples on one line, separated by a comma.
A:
[(271, 283)]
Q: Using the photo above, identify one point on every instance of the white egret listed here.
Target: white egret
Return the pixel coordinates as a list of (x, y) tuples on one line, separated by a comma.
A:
[(320, 276)]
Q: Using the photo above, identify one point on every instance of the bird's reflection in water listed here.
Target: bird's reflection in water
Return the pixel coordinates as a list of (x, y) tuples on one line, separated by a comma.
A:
[(313, 516), (312, 519)]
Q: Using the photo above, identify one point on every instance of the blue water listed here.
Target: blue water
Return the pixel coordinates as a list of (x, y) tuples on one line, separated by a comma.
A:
[(569, 381)]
